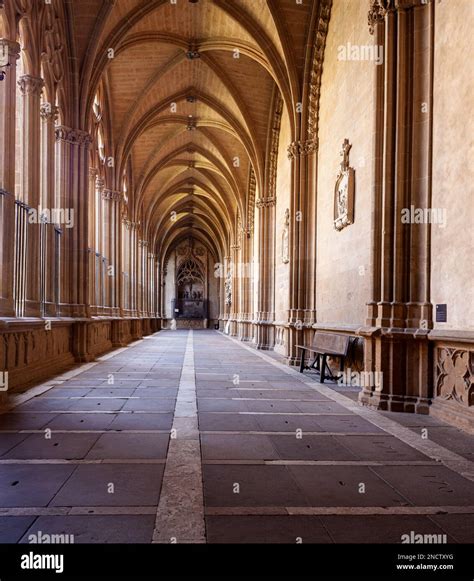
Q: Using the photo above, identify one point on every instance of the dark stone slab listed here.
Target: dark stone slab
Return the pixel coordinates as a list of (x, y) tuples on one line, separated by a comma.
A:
[(222, 405), (141, 421), (380, 448), (20, 421), (31, 484), (310, 448), (9, 441), (347, 424), (374, 529), (228, 422), (449, 437), (283, 423), (134, 485), (147, 392), (12, 528), (99, 529), (98, 405), (460, 527), (150, 404), (111, 391), (237, 447), (429, 485), (63, 446), (259, 486), (266, 529), (67, 392), (276, 394), (339, 486), (81, 422), (130, 446), (46, 404)]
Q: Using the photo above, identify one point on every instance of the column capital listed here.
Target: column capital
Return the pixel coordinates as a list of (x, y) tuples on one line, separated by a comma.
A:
[(74, 136), (379, 8), (48, 112), (112, 195), (100, 184), (143, 243), (299, 148), (30, 85), (8, 49)]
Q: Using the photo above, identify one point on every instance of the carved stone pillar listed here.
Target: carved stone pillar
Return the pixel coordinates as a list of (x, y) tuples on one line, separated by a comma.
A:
[(266, 293), (72, 194), (245, 295), (7, 176), (236, 281), (112, 231), (302, 243), (400, 312), (31, 88), (227, 287), (49, 115)]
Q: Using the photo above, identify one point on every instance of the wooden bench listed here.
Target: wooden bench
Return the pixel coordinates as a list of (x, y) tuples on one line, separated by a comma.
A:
[(325, 345)]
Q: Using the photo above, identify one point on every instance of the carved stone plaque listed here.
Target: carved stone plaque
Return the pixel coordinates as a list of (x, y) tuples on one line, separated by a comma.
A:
[(344, 191)]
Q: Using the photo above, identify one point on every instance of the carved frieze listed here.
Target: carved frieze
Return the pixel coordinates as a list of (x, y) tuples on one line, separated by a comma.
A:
[(454, 375), (344, 191)]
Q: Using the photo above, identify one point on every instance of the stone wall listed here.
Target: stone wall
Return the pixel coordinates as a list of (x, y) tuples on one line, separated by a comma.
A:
[(346, 111), (31, 351), (452, 245)]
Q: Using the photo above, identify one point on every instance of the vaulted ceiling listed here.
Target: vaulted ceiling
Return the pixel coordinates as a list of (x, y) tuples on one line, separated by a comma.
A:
[(190, 89)]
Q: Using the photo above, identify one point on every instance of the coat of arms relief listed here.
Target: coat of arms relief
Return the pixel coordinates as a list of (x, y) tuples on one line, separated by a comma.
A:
[(344, 191)]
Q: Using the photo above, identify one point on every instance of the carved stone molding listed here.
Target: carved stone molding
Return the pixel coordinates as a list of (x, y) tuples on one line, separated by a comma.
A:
[(316, 70), (143, 243), (30, 85), (266, 202), (252, 187), (299, 148), (454, 375), (274, 145)]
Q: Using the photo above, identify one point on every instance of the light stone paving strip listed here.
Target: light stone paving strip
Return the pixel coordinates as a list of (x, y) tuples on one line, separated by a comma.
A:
[(438, 453), (180, 515), (241, 510)]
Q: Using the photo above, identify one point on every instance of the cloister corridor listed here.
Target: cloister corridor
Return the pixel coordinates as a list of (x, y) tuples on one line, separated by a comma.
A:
[(192, 437)]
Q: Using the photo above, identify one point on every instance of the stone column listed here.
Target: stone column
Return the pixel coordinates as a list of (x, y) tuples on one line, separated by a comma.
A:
[(31, 88), (11, 50), (266, 299), (245, 287), (399, 316), (302, 242), (49, 115), (234, 309), (111, 204)]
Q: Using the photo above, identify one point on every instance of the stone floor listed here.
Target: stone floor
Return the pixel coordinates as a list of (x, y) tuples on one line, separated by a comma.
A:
[(194, 437)]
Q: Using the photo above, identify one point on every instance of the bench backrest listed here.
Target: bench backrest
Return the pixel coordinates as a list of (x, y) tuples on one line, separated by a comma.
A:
[(331, 343)]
